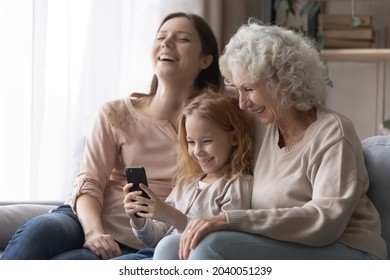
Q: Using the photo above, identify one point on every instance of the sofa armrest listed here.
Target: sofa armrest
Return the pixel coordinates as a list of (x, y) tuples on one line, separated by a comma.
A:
[(377, 158), (14, 215)]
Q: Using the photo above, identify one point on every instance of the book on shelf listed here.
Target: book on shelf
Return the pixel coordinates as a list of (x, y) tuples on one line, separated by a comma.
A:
[(330, 43), (333, 21), (339, 32), (355, 33)]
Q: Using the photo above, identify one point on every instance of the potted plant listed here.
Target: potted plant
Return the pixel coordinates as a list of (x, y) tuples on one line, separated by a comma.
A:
[(311, 9)]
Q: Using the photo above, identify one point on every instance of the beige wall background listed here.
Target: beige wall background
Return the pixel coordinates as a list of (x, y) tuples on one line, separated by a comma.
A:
[(225, 16)]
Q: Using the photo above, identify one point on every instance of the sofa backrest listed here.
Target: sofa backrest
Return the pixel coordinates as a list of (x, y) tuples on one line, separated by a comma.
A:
[(377, 158)]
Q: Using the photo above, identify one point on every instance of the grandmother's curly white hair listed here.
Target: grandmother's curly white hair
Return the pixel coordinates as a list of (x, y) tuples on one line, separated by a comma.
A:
[(286, 61)]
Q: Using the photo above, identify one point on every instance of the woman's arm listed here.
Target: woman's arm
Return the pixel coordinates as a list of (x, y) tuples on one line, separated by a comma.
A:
[(89, 214), (88, 195)]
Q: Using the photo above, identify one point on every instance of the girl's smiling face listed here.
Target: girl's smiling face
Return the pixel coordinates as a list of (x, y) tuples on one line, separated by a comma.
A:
[(209, 146)]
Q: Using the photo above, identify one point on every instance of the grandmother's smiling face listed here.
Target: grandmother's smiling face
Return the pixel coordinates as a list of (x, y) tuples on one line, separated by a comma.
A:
[(254, 98)]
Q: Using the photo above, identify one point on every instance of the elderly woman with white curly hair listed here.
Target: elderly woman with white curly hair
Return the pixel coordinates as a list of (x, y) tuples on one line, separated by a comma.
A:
[(309, 195)]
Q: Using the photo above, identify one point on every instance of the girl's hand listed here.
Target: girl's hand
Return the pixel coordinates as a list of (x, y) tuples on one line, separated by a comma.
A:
[(131, 204), (153, 208), (197, 229)]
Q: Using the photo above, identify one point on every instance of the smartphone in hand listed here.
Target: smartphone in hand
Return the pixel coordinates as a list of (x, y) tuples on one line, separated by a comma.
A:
[(137, 175)]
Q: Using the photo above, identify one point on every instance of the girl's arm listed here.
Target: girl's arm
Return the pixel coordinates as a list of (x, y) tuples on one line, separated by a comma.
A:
[(159, 210), (155, 217)]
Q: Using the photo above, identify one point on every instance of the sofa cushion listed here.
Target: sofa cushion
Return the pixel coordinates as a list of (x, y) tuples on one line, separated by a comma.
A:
[(15, 215), (377, 157)]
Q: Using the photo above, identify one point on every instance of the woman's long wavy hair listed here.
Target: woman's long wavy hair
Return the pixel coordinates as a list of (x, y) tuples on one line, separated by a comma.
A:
[(221, 109)]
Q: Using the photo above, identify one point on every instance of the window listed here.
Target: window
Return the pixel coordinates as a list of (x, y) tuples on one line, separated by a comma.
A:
[(60, 61)]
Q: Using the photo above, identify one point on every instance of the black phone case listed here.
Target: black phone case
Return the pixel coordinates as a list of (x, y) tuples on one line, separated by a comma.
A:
[(137, 175)]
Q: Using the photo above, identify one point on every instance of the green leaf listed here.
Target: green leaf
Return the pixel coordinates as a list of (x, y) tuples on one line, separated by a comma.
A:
[(356, 21), (291, 7), (310, 8), (320, 43), (287, 5)]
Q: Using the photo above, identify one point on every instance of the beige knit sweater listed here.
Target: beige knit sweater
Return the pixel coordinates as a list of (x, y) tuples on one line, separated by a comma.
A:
[(314, 192)]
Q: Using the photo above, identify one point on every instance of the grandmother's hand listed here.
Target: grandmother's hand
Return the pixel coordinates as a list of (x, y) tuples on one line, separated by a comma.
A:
[(197, 229)]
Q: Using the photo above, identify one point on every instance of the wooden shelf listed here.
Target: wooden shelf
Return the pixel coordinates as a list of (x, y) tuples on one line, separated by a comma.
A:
[(355, 55)]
